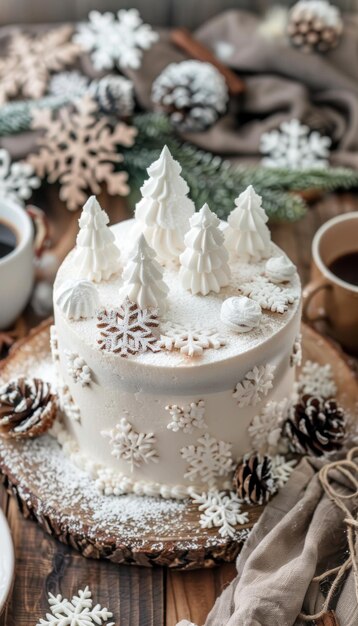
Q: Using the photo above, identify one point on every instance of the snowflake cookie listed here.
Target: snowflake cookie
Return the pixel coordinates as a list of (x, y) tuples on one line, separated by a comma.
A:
[(133, 447), (115, 42), (17, 180), (186, 417), (269, 296), (128, 329), (220, 509), (80, 151), (295, 146), (78, 369), (79, 611), (207, 460), (190, 341), (255, 385)]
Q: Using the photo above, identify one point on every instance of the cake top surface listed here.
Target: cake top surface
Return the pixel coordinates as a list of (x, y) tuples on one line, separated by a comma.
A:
[(185, 312)]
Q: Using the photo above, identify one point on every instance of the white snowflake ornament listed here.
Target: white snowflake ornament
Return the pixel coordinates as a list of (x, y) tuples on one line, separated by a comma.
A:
[(255, 385), (294, 146), (316, 380), (282, 469), (78, 369), (79, 611), (115, 42), (133, 447), (190, 341), (267, 294), (220, 509), (187, 417), (128, 329), (207, 460), (17, 180)]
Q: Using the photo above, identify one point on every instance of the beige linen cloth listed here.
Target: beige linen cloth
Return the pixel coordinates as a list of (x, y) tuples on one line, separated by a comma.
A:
[(281, 83), (300, 534)]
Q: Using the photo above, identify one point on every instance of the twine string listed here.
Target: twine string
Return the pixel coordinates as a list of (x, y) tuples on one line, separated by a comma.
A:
[(348, 468)]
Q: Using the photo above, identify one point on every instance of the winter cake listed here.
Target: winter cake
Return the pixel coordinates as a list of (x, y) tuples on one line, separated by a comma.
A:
[(173, 332)]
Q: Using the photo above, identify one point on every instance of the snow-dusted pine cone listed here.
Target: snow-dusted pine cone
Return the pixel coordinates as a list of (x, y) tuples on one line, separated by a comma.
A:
[(114, 95), (314, 25), (315, 426), (71, 83), (27, 408), (254, 480), (192, 93)]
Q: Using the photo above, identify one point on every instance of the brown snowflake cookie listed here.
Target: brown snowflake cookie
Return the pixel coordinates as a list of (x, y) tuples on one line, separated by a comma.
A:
[(27, 408)]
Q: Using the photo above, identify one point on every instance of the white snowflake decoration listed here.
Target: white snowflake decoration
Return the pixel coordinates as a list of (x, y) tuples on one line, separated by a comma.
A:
[(220, 509), (296, 354), (282, 469), (207, 460), (267, 294), (266, 428), (190, 341), (71, 83), (295, 146), (133, 447), (79, 611), (78, 369), (243, 534), (255, 385), (128, 329), (17, 180), (187, 417), (316, 380), (115, 42), (54, 345), (68, 405)]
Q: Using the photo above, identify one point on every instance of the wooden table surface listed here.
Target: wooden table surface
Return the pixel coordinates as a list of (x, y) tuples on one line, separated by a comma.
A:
[(136, 596)]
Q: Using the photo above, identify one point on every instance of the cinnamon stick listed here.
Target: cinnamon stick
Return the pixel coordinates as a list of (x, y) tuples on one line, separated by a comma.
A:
[(184, 40)]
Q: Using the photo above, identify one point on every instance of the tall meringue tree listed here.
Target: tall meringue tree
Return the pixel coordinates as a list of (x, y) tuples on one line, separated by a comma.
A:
[(247, 237), (204, 265), (96, 254), (143, 278), (163, 213)]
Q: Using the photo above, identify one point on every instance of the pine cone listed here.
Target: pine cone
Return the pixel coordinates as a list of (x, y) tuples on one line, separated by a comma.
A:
[(254, 480), (114, 96), (192, 93), (314, 26), (27, 408), (315, 426)]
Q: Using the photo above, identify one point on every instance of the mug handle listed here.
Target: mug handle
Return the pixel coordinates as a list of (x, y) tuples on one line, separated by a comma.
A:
[(41, 227), (309, 292)]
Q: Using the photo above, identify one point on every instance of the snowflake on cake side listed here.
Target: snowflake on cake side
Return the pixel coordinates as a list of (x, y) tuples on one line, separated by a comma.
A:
[(79, 611), (133, 447), (17, 180), (78, 369), (68, 405), (265, 430), (295, 146), (255, 385), (207, 460), (296, 353), (115, 42), (220, 509), (267, 294), (190, 341), (187, 417), (128, 329)]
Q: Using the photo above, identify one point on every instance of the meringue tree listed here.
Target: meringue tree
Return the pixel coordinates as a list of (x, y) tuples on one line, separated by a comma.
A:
[(204, 266), (143, 278), (247, 236), (163, 213), (96, 254)]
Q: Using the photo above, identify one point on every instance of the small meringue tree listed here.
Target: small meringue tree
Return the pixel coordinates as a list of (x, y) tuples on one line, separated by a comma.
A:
[(247, 237), (143, 278), (204, 266), (96, 254), (163, 213)]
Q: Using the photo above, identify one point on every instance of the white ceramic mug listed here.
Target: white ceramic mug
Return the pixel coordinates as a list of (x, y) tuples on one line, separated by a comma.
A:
[(16, 268)]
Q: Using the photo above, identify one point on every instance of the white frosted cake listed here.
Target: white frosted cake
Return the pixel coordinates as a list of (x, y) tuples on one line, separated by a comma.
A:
[(172, 333)]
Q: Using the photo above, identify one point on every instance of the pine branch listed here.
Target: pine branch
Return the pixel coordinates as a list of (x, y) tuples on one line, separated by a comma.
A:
[(16, 117)]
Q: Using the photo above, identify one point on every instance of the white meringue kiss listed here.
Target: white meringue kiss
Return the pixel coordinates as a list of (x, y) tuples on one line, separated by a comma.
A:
[(240, 314), (77, 299), (279, 269)]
